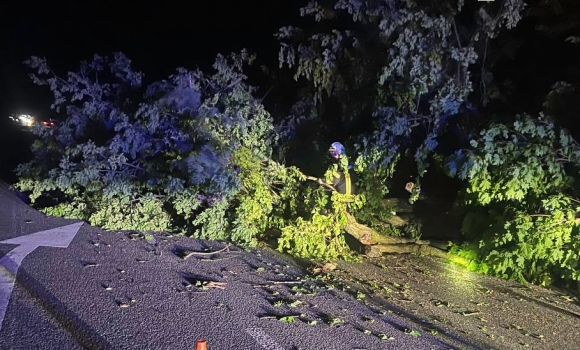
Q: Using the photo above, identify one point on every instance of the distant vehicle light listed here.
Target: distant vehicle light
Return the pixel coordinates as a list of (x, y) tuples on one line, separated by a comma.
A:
[(49, 123), (26, 119)]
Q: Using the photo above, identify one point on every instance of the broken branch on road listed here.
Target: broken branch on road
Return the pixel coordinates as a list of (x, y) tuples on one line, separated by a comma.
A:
[(194, 253)]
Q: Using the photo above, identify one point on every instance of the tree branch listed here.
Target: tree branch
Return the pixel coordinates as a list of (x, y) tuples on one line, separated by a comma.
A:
[(321, 182), (224, 249), (456, 32), (236, 82)]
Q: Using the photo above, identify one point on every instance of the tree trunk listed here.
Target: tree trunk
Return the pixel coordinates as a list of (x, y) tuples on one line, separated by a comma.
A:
[(367, 235), (376, 244), (377, 250)]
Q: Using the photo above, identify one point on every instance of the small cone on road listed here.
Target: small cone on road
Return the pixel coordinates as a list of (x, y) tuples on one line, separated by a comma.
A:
[(201, 345)]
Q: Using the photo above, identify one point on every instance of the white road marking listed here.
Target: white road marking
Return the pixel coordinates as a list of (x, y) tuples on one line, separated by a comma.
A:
[(263, 339), (59, 237)]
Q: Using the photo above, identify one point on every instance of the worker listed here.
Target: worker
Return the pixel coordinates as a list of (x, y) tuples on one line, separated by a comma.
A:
[(342, 173)]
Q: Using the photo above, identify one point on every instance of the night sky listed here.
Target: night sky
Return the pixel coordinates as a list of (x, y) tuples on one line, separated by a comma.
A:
[(157, 36)]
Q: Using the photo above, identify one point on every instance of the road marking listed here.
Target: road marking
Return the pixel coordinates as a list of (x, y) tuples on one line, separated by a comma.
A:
[(263, 339), (59, 237)]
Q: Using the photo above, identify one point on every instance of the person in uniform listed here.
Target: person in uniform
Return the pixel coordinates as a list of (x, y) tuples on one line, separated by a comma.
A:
[(342, 173)]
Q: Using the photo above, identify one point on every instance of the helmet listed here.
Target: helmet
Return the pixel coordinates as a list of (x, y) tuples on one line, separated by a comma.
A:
[(336, 150)]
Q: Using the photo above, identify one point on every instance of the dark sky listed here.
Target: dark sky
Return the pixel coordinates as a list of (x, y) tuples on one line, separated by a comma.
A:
[(157, 36)]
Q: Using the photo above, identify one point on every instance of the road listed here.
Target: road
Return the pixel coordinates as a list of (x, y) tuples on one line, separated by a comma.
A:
[(67, 285), (125, 290)]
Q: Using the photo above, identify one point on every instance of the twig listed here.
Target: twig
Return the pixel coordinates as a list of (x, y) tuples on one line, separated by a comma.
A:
[(470, 313), (210, 84), (226, 248), (217, 285), (266, 94), (268, 316), (275, 282), (312, 178), (484, 87), (456, 33), (217, 259), (315, 179), (418, 102), (231, 85)]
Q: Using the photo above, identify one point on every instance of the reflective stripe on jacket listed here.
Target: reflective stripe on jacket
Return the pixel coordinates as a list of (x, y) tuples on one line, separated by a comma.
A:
[(343, 182)]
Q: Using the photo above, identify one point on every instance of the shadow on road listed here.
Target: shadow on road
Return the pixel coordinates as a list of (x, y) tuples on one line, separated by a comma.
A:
[(76, 329)]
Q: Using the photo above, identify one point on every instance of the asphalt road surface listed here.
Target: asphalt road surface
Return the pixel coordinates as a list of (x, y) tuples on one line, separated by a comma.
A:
[(67, 285), (125, 290)]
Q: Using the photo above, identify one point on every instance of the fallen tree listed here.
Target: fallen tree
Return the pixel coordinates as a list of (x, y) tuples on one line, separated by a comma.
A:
[(190, 154), (375, 244)]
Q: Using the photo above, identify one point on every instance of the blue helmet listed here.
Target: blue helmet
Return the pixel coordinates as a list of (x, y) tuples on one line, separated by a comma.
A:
[(337, 150)]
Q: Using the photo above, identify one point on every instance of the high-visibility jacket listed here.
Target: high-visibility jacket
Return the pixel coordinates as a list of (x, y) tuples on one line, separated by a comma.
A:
[(344, 182)]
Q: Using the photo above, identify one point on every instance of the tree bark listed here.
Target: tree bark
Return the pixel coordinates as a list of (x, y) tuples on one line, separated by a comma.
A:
[(377, 250), (376, 244)]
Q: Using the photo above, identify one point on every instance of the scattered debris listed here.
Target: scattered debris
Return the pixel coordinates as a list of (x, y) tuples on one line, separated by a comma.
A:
[(413, 332), (217, 285), (470, 313), (384, 336), (326, 268), (201, 283), (216, 259), (133, 235), (224, 249), (282, 318), (123, 305)]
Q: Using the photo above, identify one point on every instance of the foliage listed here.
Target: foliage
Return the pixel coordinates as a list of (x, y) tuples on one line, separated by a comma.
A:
[(175, 155), (193, 153), (319, 231), (520, 182), (373, 185), (470, 253), (190, 154), (144, 213), (400, 73), (322, 235), (401, 61), (508, 163)]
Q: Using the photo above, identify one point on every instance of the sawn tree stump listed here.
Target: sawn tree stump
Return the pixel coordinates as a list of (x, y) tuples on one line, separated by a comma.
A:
[(376, 244)]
